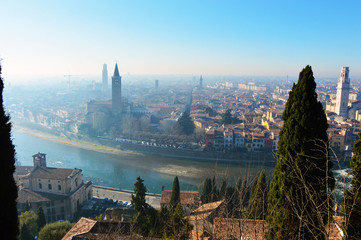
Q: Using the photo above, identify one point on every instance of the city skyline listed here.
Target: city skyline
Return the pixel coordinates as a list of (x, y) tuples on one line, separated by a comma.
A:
[(261, 38)]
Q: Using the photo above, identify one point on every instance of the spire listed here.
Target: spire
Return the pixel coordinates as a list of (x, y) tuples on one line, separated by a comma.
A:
[(116, 72)]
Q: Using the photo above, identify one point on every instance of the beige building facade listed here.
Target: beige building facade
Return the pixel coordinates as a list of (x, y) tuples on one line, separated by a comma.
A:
[(59, 191)]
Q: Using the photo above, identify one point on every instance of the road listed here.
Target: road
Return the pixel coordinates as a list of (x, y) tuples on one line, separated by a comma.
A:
[(124, 195)]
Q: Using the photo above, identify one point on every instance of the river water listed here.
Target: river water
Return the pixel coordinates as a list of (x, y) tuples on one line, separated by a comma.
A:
[(120, 170)]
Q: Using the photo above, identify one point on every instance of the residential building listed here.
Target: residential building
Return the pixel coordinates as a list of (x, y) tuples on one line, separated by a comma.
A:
[(59, 191)]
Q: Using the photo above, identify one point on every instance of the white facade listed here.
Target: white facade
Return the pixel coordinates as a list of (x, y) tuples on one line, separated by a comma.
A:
[(343, 89)]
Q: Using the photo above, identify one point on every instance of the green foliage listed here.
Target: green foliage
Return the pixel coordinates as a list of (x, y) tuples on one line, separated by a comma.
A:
[(41, 218), (257, 207), (206, 196), (175, 197), (179, 224), (141, 207), (299, 200), (55, 231), (353, 196), (227, 118), (223, 190), (214, 192), (29, 219), (185, 124), (9, 221), (24, 233), (87, 129)]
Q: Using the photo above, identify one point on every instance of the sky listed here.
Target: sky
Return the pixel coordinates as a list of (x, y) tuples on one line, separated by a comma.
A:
[(261, 38)]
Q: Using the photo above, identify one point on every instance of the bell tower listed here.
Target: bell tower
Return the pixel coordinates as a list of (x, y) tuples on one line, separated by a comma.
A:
[(343, 89)]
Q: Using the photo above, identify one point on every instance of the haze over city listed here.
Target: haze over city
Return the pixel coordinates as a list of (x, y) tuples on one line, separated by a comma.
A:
[(258, 38)]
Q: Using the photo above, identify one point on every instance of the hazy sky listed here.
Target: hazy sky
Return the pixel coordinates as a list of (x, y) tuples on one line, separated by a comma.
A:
[(41, 38)]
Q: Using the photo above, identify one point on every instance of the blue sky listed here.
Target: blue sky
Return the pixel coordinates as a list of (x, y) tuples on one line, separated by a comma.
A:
[(53, 38)]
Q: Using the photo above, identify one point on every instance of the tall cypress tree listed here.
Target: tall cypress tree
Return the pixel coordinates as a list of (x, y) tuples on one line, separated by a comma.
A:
[(257, 207), (207, 191), (9, 216), (214, 192), (25, 233), (41, 218), (175, 197), (299, 201), (141, 208), (223, 189), (353, 196)]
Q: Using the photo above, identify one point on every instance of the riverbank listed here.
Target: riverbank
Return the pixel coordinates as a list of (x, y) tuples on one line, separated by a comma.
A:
[(168, 168), (111, 146)]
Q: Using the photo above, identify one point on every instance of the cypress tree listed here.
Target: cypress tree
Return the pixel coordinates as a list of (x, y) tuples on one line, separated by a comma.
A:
[(9, 216), (207, 191), (175, 197), (257, 207), (299, 200), (353, 196), (25, 233), (41, 218), (223, 190), (141, 207), (214, 193)]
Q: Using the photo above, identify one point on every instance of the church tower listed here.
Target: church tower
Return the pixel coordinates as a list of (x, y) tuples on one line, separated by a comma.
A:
[(343, 88), (105, 77), (116, 92)]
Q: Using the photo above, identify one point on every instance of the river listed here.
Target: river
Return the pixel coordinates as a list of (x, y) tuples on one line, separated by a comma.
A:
[(120, 170)]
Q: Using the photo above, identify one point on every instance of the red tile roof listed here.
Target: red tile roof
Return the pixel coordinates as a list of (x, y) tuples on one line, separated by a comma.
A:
[(82, 226)]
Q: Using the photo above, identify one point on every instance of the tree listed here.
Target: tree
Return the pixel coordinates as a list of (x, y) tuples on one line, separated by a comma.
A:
[(227, 118), (257, 207), (185, 124), (141, 208), (41, 218), (207, 191), (29, 219), (55, 231), (175, 197), (9, 226), (214, 192), (353, 196), (25, 234), (299, 199), (180, 225), (223, 190)]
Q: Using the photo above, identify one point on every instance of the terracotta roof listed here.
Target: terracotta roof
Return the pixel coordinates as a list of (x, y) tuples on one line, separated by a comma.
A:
[(82, 226), (53, 173), (186, 197), (227, 228), (26, 195), (208, 207), (94, 229)]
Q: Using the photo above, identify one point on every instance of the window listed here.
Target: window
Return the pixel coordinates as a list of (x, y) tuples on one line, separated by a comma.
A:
[(49, 186), (40, 185), (76, 182), (59, 187), (62, 210)]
